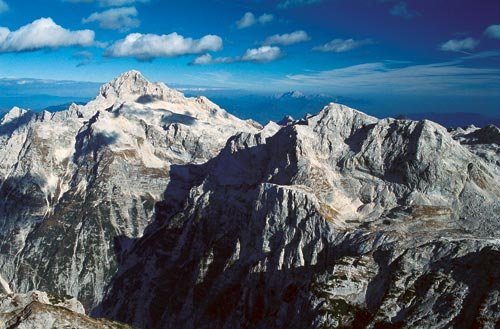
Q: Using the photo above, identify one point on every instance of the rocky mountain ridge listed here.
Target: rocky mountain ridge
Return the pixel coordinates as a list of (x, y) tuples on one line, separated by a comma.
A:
[(162, 211), (38, 309)]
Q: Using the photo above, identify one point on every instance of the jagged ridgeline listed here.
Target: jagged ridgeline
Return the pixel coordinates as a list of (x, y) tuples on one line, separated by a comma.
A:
[(162, 211)]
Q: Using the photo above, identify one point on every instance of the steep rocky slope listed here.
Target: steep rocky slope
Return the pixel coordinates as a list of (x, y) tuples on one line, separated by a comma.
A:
[(76, 185), (40, 310), (337, 220)]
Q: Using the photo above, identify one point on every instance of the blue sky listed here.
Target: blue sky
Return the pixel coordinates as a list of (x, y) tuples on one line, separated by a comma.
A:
[(375, 49)]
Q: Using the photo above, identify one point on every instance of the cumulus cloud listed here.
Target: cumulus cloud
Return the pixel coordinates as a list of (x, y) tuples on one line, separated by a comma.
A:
[(459, 45), (42, 33), (296, 3), (493, 31), (249, 19), (287, 38), (121, 19), (342, 45), (109, 3), (3, 6), (203, 60), (146, 47), (264, 54)]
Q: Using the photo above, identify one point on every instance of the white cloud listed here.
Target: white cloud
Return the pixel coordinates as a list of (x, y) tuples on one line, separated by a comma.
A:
[(250, 19), (109, 3), (459, 45), (484, 54), (3, 6), (122, 19), (203, 60), (287, 38), (42, 33), (247, 20), (342, 45), (449, 77), (117, 3), (493, 31), (295, 3), (208, 59), (145, 47), (264, 54)]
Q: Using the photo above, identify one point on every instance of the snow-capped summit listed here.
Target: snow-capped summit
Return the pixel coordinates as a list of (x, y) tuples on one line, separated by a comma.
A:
[(132, 86), (13, 114)]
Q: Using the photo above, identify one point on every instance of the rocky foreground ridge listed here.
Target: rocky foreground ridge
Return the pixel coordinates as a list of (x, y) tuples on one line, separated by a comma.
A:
[(163, 211), (38, 309)]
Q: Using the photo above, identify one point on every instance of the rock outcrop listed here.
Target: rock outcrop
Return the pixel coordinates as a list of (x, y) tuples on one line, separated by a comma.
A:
[(37, 309)]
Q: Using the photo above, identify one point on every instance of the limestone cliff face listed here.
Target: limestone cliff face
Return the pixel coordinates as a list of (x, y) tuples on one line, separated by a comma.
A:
[(163, 211)]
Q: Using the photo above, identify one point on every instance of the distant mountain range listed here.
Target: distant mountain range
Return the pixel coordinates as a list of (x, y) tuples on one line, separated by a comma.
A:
[(273, 107), (455, 119)]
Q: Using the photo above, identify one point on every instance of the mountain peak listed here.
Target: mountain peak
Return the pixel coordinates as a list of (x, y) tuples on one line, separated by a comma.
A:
[(132, 76), (13, 114), (132, 85), (292, 94)]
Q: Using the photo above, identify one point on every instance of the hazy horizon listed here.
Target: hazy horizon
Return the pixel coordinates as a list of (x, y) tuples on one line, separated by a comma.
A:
[(262, 106), (385, 57)]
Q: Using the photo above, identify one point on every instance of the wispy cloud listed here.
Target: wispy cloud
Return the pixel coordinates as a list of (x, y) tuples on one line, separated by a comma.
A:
[(342, 45), (484, 54), (401, 9), (438, 78), (42, 33), (109, 3), (264, 54), (122, 19), (296, 3), (249, 19), (287, 38), (146, 47), (84, 56), (493, 31), (3, 6), (459, 45)]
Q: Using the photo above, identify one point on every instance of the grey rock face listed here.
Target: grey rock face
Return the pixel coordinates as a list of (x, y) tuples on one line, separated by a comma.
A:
[(338, 220)]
